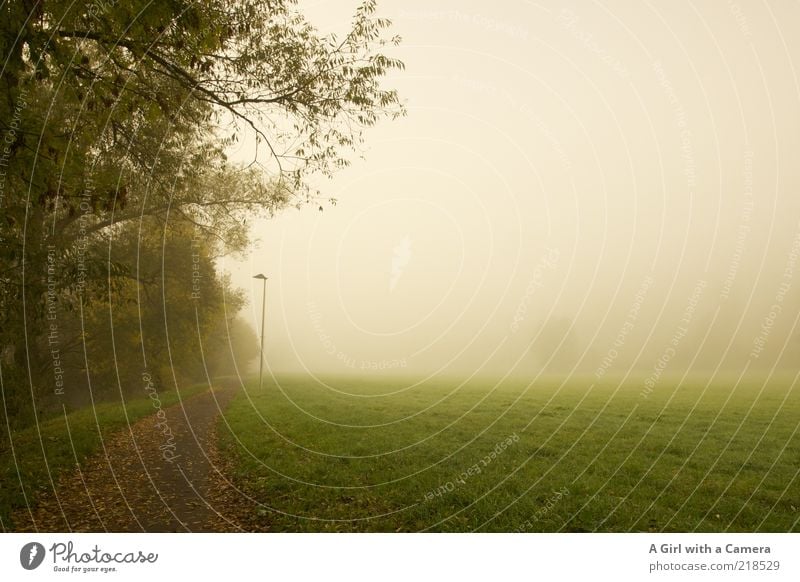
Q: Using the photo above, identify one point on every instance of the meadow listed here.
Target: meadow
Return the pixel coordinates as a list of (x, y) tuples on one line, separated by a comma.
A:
[(576, 455)]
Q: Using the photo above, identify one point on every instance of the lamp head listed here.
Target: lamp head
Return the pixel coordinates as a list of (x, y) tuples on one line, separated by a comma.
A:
[(260, 276)]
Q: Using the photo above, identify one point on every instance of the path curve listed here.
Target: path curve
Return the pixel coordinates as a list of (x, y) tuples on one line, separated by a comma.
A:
[(157, 475)]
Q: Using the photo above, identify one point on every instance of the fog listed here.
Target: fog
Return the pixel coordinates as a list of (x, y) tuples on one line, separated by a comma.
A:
[(575, 189)]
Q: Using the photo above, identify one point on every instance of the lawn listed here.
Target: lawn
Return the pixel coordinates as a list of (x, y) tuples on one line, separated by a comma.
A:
[(40, 454), (367, 454)]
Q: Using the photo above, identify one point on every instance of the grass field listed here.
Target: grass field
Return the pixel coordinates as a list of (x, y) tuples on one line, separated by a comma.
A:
[(383, 455), (39, 455)]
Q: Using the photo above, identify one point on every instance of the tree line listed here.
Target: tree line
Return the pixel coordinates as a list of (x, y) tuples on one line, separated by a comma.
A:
[(117, 196)]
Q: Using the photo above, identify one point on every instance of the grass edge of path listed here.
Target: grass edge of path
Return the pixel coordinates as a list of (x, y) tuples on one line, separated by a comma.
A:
[(63, 443)]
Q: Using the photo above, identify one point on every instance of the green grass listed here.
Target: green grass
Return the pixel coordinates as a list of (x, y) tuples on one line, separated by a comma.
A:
[(380, 456), (40, 454)]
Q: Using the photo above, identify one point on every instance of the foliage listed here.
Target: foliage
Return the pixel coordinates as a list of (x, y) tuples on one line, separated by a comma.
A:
[(115, 117), (239, 351), (166, 317)]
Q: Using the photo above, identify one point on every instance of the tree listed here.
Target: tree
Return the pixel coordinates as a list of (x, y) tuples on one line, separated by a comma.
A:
[(166, 318), (237, 349), (113, 112), (118, 69)]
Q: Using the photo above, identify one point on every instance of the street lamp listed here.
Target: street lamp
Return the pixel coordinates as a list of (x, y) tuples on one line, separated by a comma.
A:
[(263, 308)]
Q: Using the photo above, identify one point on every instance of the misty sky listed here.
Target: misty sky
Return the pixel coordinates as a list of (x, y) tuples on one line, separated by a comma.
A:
[(574, 184)]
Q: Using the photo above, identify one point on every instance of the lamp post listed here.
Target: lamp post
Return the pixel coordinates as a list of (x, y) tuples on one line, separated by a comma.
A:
[(263, 308)]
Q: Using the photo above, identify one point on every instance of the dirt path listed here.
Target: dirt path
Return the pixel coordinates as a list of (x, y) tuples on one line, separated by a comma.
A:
[(158, 475)]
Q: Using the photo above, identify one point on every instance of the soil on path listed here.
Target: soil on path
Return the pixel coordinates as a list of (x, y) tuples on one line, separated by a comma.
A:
[(160, 474)]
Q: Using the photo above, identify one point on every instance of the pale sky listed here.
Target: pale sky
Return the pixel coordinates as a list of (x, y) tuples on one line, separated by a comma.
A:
[(557, 160)]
